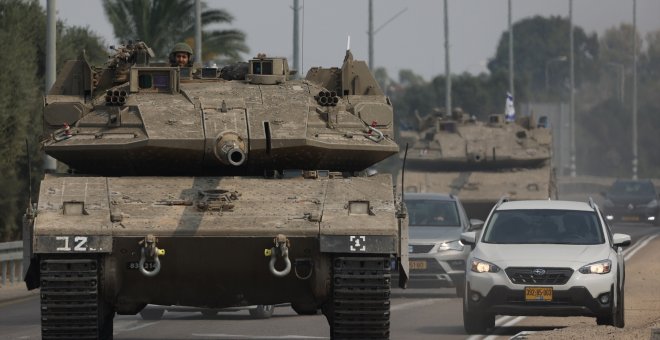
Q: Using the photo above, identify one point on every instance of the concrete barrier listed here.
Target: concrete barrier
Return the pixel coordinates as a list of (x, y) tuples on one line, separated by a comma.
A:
[(11, 262)]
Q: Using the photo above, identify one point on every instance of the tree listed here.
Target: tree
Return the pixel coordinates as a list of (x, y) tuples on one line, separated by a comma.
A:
[(22, 36), (19, 104), (73, 40), (538, 40), (162, 23)]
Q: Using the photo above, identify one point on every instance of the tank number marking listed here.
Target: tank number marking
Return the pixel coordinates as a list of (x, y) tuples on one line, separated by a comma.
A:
[(80, 243), (136, 265), (358, 243)]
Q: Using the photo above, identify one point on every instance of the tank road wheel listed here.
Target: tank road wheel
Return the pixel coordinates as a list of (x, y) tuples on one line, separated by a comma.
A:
[(304, 308), (71, 300), (360, 304), (152, 313)]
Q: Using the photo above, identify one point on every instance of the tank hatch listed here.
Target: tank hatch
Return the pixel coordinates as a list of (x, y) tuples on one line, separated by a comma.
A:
[(265, 70)]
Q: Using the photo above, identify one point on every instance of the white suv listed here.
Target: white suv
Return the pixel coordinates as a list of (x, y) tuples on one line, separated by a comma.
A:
[(544, 258)]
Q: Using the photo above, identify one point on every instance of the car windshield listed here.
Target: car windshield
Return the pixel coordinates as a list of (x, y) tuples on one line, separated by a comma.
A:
[(536, 226), (432, 213), (632, 188)]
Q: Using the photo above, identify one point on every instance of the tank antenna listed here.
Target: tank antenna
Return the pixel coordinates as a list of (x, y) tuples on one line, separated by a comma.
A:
[(29, 168), (348, 44), (403, 172)]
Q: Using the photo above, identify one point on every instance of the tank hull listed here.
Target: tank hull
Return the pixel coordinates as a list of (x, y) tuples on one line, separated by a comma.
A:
[(480, 190), (215, 251)]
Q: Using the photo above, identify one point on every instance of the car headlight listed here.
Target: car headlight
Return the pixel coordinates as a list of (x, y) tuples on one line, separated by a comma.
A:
[(600, 267), (453, 245), (608, 203), (652, 204), (481, 266)]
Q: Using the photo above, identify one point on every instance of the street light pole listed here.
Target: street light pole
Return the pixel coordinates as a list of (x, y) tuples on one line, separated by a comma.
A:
[(634, 98), (296, 36), (511, 88), (371, 32), (198, 32), (50, 164), (572, 104), (447, 70)]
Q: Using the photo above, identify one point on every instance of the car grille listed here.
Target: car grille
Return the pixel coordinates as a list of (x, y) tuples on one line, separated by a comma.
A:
[(526, 276), (421, 248)]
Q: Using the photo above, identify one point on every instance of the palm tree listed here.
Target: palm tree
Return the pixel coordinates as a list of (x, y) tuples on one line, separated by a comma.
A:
[(162, 23)]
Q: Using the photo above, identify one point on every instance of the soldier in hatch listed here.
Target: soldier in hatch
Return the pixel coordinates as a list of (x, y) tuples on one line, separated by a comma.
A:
[(181, 55)]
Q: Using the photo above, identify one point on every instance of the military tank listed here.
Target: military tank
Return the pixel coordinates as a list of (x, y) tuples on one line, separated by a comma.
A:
[(215, 188), (479, 161)]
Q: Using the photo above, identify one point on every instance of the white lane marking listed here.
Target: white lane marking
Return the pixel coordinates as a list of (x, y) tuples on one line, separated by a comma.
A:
[(412, 304), (508, 324), (236, 336), (133, 326), (628, 254), (642, 245)]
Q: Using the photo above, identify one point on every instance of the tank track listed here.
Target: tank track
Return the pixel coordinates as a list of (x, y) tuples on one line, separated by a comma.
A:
[(71, 304), (360, 306)]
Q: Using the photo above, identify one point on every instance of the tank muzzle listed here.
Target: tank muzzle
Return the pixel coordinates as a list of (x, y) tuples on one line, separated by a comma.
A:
[(230, 149)]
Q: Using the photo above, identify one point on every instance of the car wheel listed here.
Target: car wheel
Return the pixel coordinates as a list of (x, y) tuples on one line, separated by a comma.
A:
[(152, 313), (619, 316), (262, 312), (475, 322), (460, 287), (305, 308)]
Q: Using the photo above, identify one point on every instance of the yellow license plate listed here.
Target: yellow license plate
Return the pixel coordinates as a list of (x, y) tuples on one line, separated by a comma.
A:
[(538, 293), (630, 218), (417, 264)]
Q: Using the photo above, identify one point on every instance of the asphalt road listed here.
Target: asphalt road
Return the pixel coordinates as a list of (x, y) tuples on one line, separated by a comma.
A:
[(416, 314)]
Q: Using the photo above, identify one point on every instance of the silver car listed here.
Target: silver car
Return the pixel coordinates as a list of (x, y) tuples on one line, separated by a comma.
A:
[(437, 256)]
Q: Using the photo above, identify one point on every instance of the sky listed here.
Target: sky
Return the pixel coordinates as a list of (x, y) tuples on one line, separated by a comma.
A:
[(413, 40)]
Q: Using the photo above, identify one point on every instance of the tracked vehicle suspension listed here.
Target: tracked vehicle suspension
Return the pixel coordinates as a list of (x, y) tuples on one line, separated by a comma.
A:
[(71, 300), (360, 304)]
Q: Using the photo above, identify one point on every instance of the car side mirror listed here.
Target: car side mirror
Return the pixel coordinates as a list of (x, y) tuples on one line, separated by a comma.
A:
[(469, 238), (621, 240), (476, 224)]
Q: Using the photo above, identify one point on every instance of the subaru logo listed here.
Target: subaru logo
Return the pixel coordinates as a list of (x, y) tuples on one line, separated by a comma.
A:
[(538, 272)]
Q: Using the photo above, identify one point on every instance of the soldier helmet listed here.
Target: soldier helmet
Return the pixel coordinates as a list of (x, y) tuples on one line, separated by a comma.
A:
[(181, 47)]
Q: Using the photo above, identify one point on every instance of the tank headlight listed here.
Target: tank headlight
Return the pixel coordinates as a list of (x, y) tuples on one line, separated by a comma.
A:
[(453, 245), (481, 266), (600, 267)]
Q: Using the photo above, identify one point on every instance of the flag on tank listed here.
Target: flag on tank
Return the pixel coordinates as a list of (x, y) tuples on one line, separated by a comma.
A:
[(509, 109)]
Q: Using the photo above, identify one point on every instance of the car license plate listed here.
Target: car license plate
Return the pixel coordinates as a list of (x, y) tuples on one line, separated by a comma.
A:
[(417, 264), (630, 218), (538, 293)]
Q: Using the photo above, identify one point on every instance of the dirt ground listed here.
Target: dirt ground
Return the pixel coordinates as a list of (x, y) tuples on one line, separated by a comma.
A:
[(642, 305)]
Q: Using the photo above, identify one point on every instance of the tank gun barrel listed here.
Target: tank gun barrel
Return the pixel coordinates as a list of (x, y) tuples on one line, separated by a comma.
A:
[(230, 149)]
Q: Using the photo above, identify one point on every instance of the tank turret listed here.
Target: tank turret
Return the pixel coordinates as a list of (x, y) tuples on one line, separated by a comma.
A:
[(168, 120), (479, 161), (244, 176)]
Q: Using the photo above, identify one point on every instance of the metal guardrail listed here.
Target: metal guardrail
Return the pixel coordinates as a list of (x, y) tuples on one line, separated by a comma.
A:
[(11, 262)]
